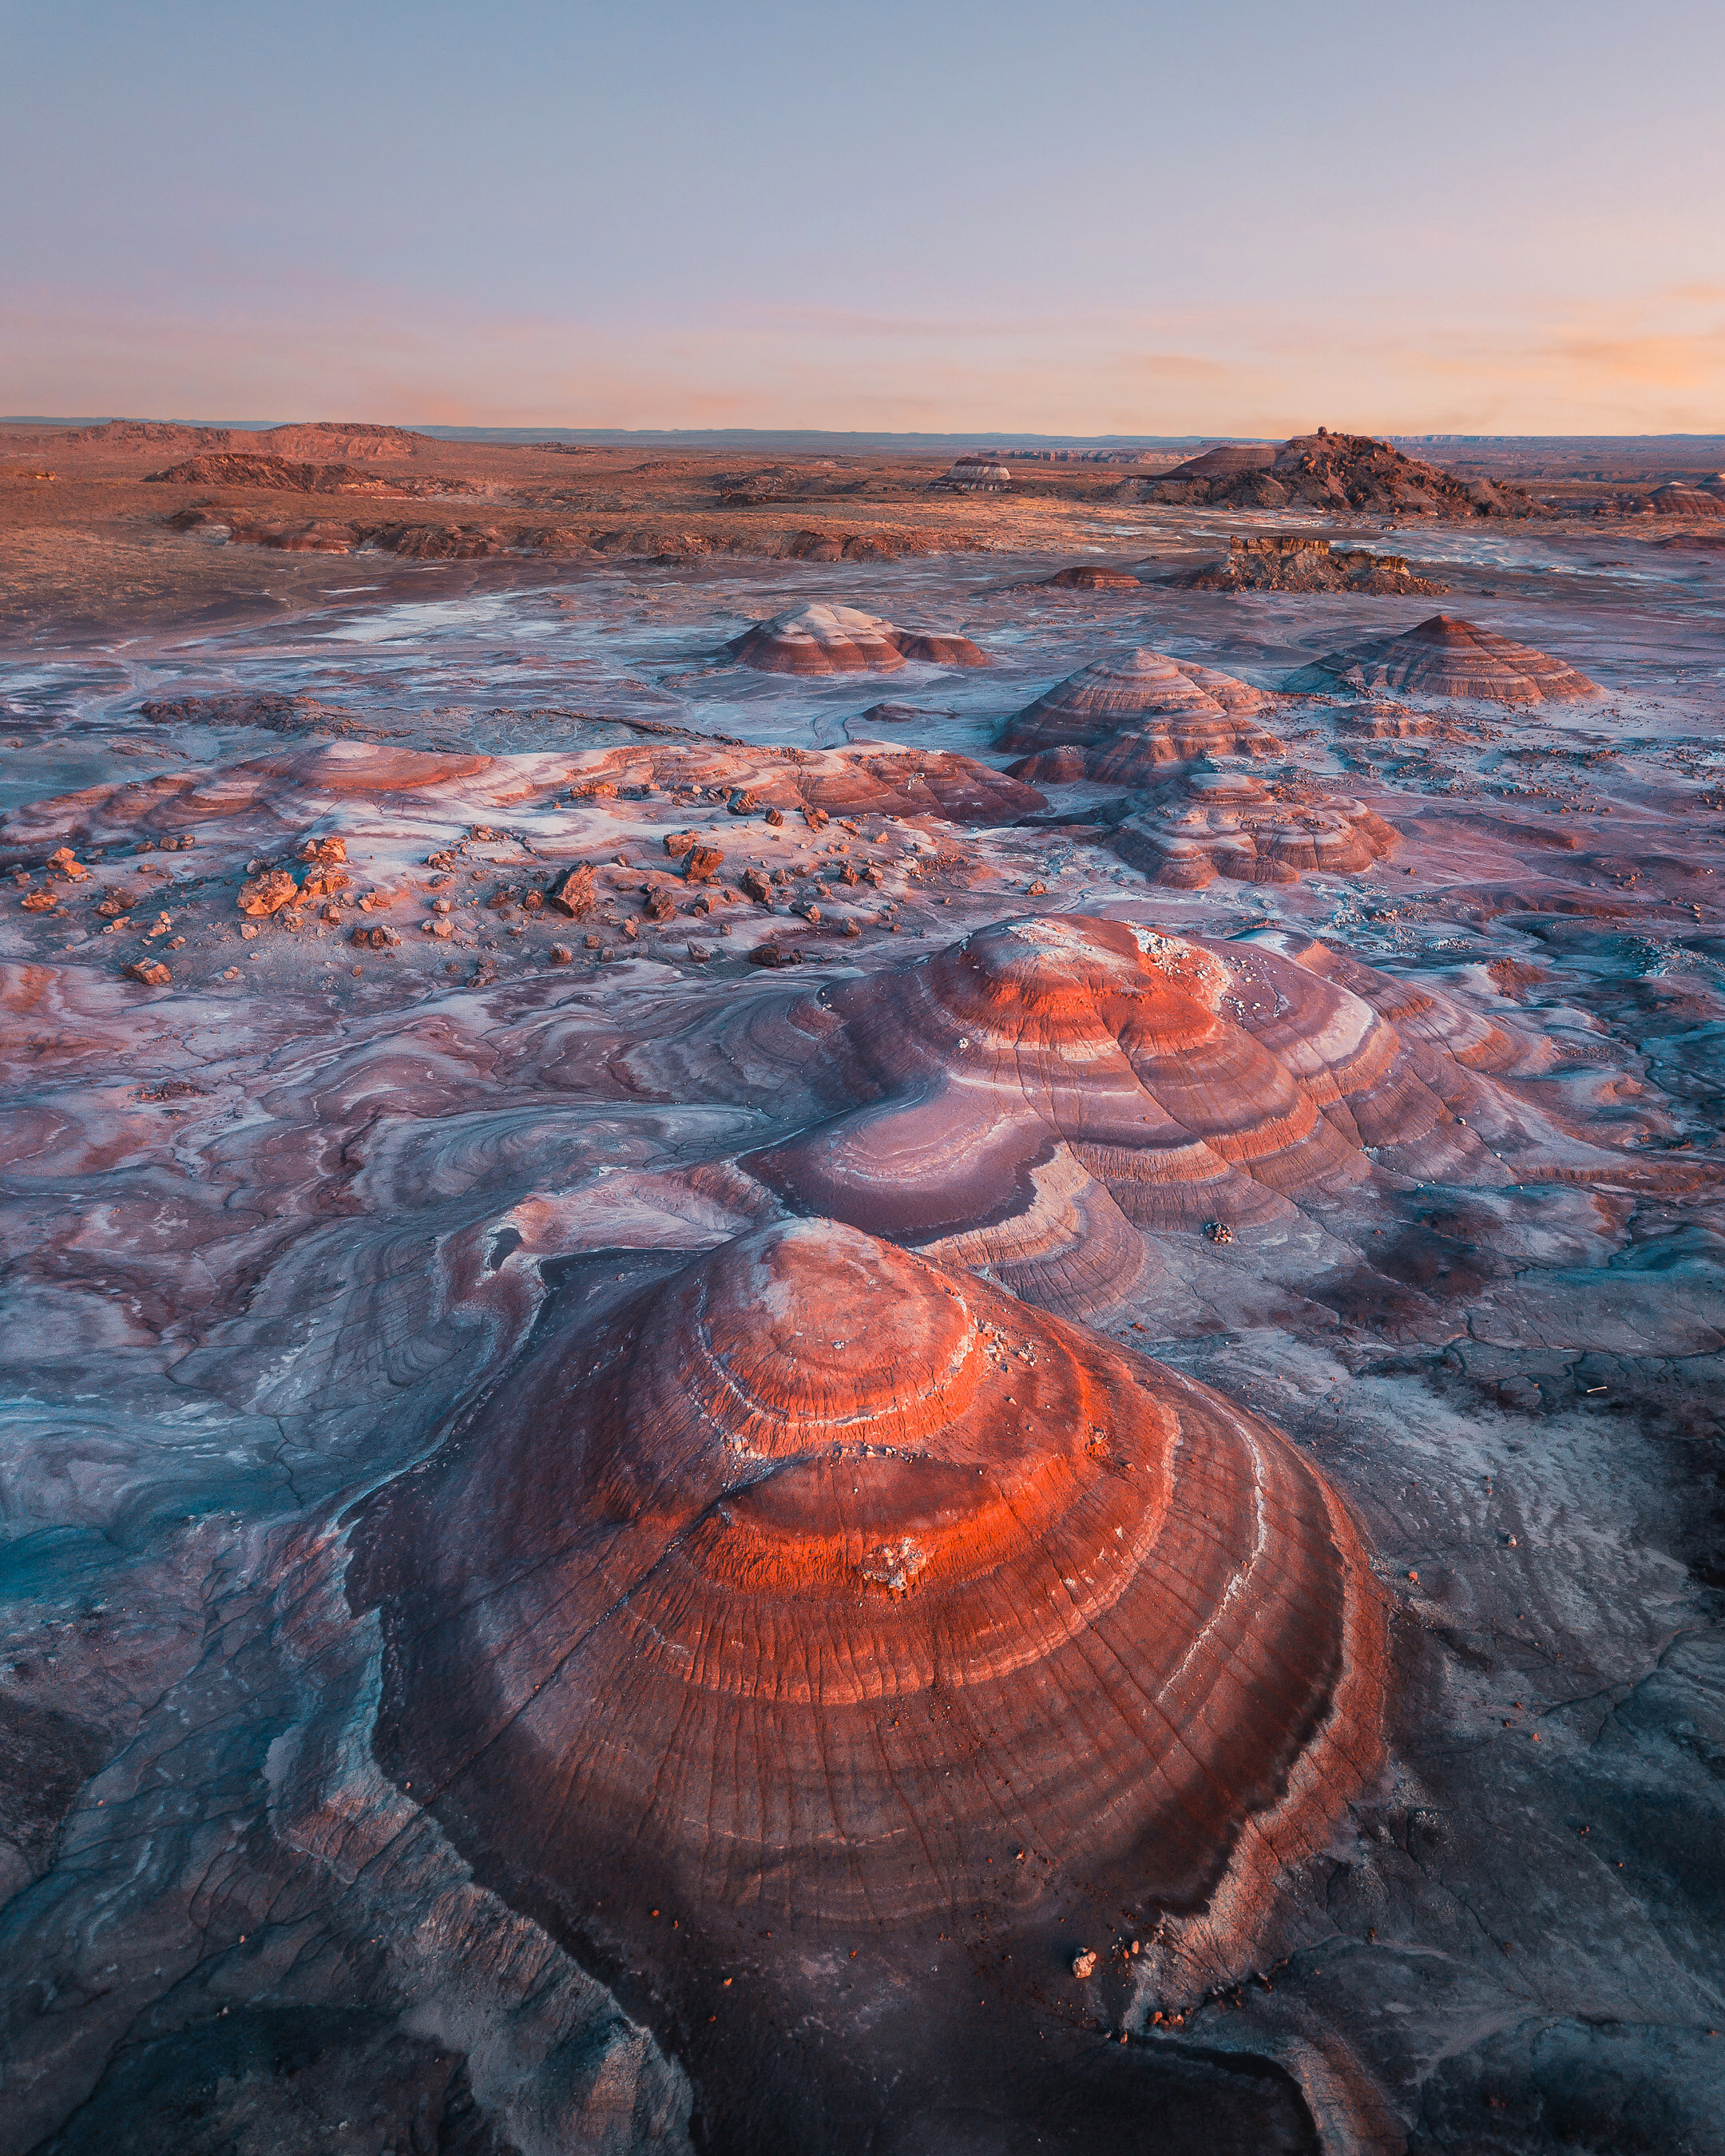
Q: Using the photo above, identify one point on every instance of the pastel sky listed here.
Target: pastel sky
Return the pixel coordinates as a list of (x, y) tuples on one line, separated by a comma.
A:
[(1471, 216)]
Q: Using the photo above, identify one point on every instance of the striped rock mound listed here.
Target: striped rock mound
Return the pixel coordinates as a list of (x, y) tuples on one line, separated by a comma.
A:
[(835, 639), (1052, 1097), (1448, 657), (813, 1584), (1225, 823), (1124, 719)]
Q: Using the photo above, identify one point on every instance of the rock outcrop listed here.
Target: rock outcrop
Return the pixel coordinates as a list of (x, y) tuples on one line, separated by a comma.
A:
[(1299, 563), (1092, 576), (1335, 472), (1448, 657)]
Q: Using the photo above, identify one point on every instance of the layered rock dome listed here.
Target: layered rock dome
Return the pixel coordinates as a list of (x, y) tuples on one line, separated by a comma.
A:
[(1677, 499), (814, 1583), (836, 639), (1189, 1081), (1212, 823), (1445, 656), (1131, 716)]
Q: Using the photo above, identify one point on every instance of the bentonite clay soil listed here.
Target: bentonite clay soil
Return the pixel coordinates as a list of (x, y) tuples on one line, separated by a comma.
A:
[(840, 1318)]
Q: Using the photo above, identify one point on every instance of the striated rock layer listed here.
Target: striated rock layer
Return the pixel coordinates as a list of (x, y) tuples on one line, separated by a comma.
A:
[(1447, 657), (815, 1585)]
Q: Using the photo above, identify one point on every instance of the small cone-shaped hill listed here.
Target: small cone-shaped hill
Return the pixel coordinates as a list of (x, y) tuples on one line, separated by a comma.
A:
[(1226, 823), (835, 639), (1445, 656), (1130, 715)]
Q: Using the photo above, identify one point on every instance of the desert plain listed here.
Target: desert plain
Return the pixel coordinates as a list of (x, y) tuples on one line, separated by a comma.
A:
[(860, 1298)]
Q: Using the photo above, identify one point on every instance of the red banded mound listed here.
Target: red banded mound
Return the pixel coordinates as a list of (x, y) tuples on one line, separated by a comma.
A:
[(1123, 718), (1448, 657), (835, 639), (1052, 1097), (1211, 822), (813, 1582)]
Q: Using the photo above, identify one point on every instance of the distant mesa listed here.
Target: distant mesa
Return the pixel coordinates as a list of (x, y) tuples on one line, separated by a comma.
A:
[(1212, 822), (838, 640), (313, 438), (339, 438), (1676, 499), (1325, 471), (814, 1582), (1129, 717), (1092, 576), (1298, 562), (1226, 460), (977, 474), (1448, 657), (286, 475)]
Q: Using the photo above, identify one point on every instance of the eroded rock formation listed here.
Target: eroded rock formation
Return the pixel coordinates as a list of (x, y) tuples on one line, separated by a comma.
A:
[(1325, 470), (1298, 562), (977, 474)]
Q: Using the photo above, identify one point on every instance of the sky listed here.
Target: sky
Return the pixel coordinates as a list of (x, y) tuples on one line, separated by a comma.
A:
[(1415, 216)]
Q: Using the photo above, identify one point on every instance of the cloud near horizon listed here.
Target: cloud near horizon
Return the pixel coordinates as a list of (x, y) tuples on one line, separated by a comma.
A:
[(1104, 375)]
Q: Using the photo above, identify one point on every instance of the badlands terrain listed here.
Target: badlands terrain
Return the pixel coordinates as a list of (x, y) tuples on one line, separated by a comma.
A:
[(861, 1300)]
